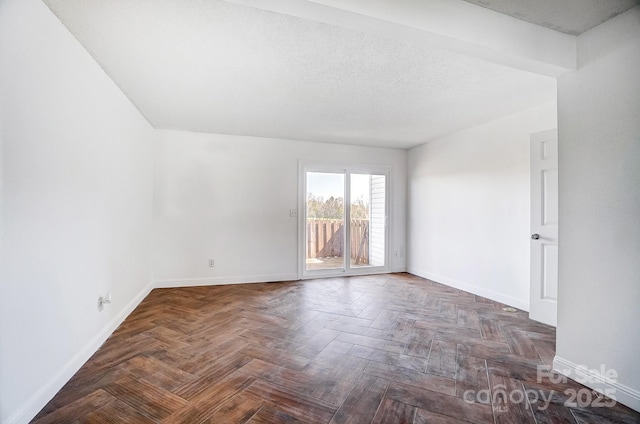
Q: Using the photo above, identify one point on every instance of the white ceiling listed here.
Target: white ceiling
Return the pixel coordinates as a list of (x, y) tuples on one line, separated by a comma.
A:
[(569, 16), (220, 67)]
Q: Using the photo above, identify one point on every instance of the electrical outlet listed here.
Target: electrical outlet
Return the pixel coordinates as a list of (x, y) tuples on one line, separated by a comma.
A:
[(103, 300), (293, 213), (211, 263)]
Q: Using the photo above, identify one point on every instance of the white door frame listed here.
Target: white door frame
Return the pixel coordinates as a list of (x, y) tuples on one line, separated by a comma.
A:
[(347, 169)]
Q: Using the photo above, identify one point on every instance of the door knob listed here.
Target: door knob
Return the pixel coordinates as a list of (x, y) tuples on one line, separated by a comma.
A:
[(535, 236)]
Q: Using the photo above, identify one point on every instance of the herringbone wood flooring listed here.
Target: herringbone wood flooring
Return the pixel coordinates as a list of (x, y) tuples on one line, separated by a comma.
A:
[(389, 348)]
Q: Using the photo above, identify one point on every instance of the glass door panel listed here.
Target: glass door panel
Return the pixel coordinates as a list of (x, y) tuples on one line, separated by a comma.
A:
[(367, 220), (325, 223)]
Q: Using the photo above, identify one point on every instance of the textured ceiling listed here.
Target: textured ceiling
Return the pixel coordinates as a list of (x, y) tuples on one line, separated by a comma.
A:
[(214, 66), (569, 16)]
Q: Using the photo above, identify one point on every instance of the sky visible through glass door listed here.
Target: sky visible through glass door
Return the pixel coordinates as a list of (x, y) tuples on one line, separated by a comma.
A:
[(325, 185)]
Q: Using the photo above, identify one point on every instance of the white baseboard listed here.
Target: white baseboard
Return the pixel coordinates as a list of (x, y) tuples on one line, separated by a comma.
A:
[(480, 291), (267, 278), (594, 380), (49, 390), (217, 281)]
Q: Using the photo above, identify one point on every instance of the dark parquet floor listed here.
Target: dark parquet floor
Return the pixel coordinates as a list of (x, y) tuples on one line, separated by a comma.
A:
[(390, 348)]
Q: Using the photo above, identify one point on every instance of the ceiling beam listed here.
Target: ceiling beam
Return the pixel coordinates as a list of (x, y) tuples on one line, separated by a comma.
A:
[(453, 25)]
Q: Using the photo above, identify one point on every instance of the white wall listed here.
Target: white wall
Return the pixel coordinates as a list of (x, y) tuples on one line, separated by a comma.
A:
[(599, 152), (228, 198), (468, 207), (77, 184)]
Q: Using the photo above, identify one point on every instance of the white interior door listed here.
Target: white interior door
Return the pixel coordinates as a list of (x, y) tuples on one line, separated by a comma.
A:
[(544, 227)]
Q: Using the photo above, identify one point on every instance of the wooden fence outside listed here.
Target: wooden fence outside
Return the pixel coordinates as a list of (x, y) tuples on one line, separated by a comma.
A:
[(325, 236)]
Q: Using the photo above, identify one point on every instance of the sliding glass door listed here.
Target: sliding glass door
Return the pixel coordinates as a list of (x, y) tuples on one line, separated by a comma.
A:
[(325, 212), (344, 221), (368, 219)]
